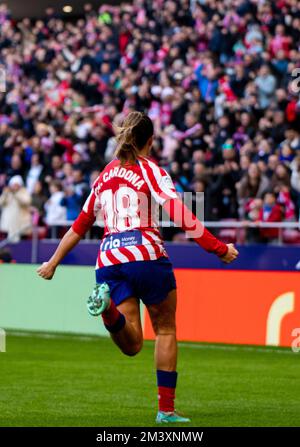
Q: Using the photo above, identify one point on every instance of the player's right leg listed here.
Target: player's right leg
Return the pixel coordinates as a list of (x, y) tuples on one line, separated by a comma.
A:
[(162, 316)]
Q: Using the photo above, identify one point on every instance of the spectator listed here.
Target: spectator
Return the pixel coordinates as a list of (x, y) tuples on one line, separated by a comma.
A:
[(81, 188), (207, 80), (295, 177), (15, 204), (288, 206), (281, 177), (252, 185), (38, 200), (34, 173), (266, 84), (72, 202), (55, 212), (270, 212)]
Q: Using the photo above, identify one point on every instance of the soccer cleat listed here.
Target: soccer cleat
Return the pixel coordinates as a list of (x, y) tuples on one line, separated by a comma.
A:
[(99, 300), (170, 418)]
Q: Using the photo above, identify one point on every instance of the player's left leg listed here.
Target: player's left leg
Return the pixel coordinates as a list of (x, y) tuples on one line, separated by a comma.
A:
[(130, 338), (122, 321), (162, 316)]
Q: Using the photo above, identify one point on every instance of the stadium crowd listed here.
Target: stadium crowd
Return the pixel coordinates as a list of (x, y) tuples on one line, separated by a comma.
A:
[(220, 80)]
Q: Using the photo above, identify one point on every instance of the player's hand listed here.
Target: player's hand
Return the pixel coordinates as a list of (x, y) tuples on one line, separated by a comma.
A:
[(231, 254), (46, 270)]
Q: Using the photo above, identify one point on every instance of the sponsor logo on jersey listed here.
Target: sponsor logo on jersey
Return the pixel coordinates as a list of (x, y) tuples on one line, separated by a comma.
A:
[(124, 239), (167, 182)]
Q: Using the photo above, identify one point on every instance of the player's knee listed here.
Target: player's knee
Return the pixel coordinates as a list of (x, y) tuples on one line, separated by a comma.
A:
[(164, 323), (167, 328), (133, 350), (166, 331)]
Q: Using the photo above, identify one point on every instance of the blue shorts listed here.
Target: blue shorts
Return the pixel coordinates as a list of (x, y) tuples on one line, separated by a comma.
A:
[(150, 281)]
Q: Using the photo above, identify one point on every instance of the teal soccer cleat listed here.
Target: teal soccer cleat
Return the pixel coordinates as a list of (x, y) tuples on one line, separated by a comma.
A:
[(170, 418), (99, 300)]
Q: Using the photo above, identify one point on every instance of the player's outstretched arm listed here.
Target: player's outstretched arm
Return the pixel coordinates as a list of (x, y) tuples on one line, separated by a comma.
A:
[(68, 242), (184, 218), (82, 224)]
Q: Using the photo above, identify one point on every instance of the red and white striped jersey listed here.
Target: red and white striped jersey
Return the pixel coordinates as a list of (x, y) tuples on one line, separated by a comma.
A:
[(127, 199)]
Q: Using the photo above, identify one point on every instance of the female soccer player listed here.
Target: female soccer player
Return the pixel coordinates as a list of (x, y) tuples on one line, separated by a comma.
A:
[(132, 263)]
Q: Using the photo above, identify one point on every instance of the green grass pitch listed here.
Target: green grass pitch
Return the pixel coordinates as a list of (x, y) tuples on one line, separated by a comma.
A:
[(75, 381)]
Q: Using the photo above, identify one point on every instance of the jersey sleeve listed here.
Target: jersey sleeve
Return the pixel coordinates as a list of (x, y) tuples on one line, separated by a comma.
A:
[(159, 182), (184, 218), (87, 217)]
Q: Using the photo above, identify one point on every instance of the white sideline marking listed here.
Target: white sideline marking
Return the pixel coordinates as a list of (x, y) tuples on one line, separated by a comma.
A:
[(215, 347), (234, 348), (54, 336)]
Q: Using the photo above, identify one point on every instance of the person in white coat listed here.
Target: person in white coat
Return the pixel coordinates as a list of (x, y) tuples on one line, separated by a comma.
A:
[(15, 204)]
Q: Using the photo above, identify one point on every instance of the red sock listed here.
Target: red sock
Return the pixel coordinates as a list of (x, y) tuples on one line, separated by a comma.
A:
[(111, 315), (166, 398)]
